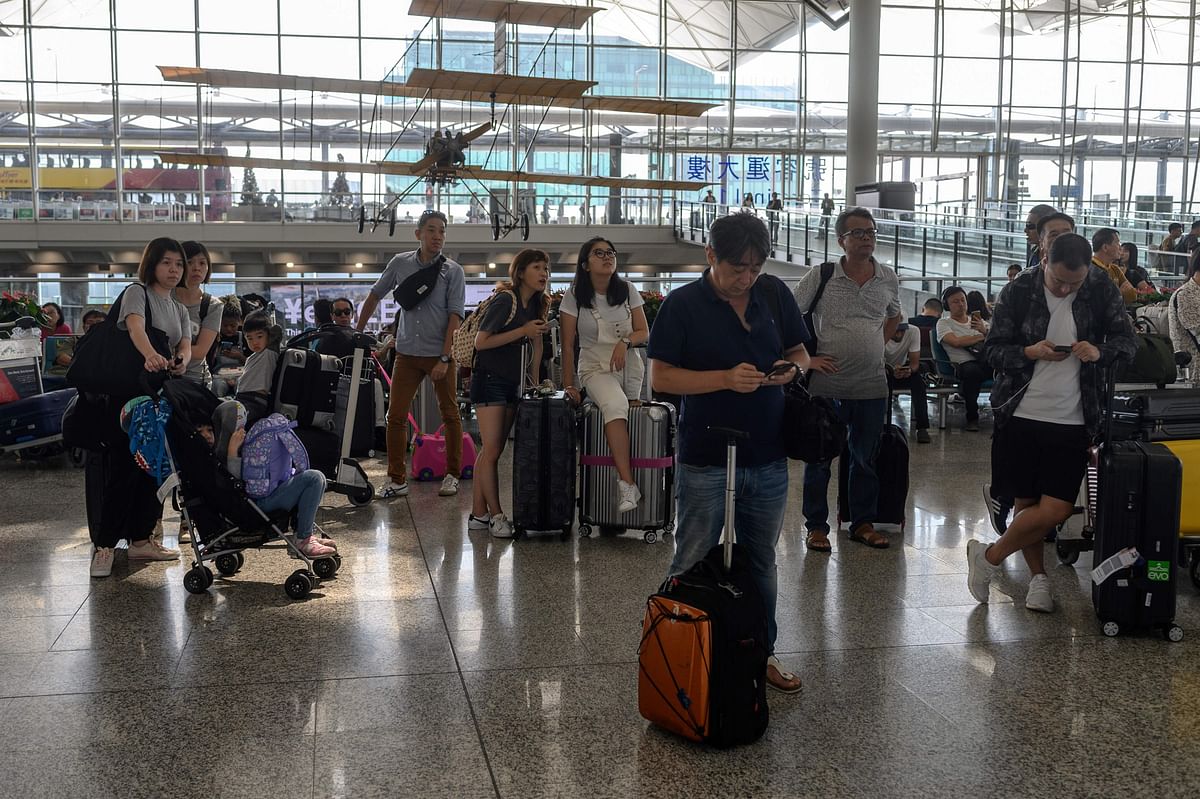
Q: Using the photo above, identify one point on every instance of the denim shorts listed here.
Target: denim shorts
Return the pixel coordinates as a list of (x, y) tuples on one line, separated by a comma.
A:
[(488, 388)]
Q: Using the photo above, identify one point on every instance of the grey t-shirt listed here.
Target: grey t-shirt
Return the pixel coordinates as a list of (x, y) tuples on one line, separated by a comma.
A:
[(421, 332), (166, 313), (198, 367), (259, 372), (848, 323)]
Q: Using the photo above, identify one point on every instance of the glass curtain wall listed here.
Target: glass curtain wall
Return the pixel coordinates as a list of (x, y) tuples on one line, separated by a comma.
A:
[(987, 106)]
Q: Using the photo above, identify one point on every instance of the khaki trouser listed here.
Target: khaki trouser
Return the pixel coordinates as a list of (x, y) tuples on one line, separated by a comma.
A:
[(407, 375)]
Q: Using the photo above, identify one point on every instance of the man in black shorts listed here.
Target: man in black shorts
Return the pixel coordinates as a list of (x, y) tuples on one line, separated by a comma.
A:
[(1055, 330)]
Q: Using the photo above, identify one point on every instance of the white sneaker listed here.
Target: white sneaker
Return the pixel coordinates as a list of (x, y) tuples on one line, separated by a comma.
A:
[(979, 571), (151, 550), (1038, 598), (478, 522), (501, 527), (630, 496), (102, 562), (449, 486), (393, 489)]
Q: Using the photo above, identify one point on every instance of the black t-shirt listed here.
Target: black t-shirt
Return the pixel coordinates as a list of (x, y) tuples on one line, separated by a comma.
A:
[(505, 361)]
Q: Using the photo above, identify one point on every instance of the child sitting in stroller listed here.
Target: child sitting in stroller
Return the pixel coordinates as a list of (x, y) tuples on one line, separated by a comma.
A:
[(302, 493)]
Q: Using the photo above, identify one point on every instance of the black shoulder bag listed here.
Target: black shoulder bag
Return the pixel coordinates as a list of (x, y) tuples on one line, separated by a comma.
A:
[(106, 360), (812, 430), (417, 287)]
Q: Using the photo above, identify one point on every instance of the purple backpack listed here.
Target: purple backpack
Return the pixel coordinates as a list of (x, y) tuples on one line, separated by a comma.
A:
[(270, 452)]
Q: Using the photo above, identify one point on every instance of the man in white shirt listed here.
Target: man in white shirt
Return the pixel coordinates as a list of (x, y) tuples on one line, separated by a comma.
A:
[(1055, 329), (902, 357)]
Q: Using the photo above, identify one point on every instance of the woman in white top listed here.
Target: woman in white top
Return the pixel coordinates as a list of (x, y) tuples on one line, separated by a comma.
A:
[(205, 317), (608, 315)]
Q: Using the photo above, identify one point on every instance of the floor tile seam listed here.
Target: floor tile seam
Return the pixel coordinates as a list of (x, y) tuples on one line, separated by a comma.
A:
[(487, 760)]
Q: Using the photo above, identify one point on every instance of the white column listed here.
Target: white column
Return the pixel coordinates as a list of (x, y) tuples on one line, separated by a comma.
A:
[(862, 123)]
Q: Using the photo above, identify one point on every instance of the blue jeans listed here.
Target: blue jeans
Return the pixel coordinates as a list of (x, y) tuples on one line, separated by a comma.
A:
[(303, 492), (758, 518), (864, 420)]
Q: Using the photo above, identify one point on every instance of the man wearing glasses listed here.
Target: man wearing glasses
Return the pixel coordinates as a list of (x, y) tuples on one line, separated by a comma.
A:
[(334, 343), (424, 336), (858, 311), (1036, 214)]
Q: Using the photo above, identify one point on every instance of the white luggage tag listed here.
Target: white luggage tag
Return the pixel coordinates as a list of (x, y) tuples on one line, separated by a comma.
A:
[(1111, 565), (169, 485)]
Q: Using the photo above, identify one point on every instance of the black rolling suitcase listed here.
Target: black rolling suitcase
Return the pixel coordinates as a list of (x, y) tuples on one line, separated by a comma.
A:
[(1140, 488), (544, 464), (1160, 414), (702, 662), (324, 449), (891, 467)]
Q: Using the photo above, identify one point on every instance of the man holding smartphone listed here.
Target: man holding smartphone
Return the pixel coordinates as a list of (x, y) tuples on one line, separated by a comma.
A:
[(1055, 329)]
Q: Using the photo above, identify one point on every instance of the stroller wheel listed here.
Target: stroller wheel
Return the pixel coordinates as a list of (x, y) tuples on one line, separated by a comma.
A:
[(241, 559), (227, 564), (325, 567), (298, 585), (197, 580)]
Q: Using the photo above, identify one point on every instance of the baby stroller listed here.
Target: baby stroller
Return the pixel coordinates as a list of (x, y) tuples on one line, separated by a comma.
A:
[(223, 520)]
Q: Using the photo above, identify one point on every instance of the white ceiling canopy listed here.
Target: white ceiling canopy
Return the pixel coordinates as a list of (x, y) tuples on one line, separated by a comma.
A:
[(702, 26)]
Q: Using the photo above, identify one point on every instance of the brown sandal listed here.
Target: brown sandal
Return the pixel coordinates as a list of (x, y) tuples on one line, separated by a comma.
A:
[(818, 541), (866, 534), (781, 680)]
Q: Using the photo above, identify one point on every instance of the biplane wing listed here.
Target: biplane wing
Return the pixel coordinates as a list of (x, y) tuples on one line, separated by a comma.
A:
[(546, 15)]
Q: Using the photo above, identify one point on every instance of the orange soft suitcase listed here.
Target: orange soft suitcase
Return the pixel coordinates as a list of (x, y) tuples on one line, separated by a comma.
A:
[(702, 663)]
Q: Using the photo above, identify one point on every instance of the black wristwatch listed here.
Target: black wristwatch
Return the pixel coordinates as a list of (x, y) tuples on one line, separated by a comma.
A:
[(444, 358)]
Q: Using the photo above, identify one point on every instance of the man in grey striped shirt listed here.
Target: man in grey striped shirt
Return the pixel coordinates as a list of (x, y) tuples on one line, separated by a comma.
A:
[(858, 311)]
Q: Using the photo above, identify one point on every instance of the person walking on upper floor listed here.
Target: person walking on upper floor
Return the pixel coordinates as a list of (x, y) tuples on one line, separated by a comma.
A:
[(902, 359), (1033, 243), (716, 342), (424, 339), (827, 209), (517, 315), (608, 316), (748, 203), (962, 334), (858, 311), (774, 210), (1057, 327), (1164, 259), (1106, 249)]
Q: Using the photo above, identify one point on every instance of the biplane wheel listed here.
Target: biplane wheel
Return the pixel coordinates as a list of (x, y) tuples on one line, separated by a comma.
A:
[(524, 227), (496, 227), (392, 223), (362, 218)]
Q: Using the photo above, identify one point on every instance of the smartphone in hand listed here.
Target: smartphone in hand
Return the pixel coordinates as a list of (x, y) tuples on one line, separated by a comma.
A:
[(1062, 348), (782, 369)]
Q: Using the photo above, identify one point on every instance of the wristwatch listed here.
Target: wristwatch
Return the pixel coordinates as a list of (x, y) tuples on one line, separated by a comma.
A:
[(626, 341), (444, 358)]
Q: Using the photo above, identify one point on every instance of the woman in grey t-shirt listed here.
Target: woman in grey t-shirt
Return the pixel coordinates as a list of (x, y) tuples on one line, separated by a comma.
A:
[(204, 310), (129, 507)]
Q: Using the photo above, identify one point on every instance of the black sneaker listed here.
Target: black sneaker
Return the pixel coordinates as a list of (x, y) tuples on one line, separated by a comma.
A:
[(998, 509)]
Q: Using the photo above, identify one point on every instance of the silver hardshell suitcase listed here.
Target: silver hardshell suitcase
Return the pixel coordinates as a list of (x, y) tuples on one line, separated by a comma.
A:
[(652, 435)]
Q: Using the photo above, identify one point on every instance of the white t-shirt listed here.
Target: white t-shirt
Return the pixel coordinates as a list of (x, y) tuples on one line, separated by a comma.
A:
[(895, 353), (614, 314), (1053, 394), (947, 325)]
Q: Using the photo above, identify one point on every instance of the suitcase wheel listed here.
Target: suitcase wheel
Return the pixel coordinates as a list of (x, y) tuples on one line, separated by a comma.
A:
[(650, 537), (1067, 555), (1173, 633), (585, 531), (467, 473), (1111, 629), (669, 528)]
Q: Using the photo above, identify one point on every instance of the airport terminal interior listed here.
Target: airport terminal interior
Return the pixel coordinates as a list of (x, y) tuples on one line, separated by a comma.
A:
[(300, 142)]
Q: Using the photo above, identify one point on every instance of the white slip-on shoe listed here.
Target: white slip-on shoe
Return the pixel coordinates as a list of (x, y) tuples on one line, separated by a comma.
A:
[(151, 550), (478, 522), (501, 527), (449, 486), (629, 494), (1039, 598)]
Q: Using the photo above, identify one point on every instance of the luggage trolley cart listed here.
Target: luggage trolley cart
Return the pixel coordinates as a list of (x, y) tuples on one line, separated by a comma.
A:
[(31, 423), (346, 475)]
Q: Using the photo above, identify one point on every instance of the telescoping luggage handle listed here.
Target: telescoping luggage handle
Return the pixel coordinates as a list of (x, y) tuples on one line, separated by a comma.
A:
[(728, 535)]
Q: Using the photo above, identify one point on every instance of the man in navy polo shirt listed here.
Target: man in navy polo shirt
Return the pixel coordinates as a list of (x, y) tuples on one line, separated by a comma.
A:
[(714, 342)]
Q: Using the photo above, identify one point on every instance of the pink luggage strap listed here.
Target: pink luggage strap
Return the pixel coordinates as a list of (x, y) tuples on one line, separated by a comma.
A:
[(635, 463), (387, 379)]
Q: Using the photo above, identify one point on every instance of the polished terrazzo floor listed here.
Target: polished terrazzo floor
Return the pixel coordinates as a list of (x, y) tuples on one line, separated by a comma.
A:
[(447, 664)]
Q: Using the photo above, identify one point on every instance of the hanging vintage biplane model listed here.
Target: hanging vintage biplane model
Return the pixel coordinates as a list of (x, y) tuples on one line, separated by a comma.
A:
[(445, 160)]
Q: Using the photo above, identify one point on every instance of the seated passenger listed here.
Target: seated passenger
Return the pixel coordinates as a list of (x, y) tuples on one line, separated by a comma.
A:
[(52, 323), (1106, 249), (902, 359), (1138, 277), (608, 314), (254, 386), (962, 334), (302, 493)]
